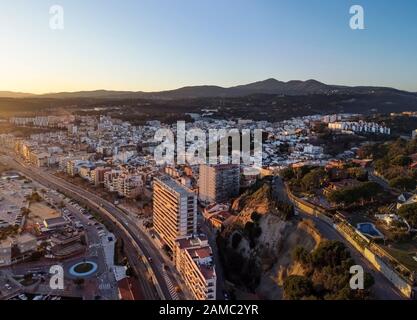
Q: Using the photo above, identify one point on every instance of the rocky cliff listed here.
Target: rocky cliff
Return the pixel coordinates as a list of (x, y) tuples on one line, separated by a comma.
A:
[(257, 248)]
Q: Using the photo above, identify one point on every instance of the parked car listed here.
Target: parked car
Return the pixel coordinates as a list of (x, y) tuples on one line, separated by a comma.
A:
[(22, 297)]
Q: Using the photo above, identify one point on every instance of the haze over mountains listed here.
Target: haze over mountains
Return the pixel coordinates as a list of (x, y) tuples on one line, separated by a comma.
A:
[(11, 94), (269, 86)]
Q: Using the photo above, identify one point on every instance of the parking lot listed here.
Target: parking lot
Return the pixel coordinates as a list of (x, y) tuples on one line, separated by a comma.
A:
[(13, 192)]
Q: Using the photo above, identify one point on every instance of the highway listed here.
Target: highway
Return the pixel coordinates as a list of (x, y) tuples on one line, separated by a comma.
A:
[(150, 275), (383, 289)]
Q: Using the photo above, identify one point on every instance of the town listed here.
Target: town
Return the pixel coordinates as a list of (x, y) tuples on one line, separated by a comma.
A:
[(200, 159), (85, 192)]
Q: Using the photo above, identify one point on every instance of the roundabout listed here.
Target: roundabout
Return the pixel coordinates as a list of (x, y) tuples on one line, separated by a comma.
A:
[(83, 269)]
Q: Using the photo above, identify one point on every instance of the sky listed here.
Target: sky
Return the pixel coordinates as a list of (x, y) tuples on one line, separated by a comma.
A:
[(152, 45)]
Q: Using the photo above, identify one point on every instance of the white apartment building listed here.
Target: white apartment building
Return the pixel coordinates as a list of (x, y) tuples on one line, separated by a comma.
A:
[(129, 185), (174, 210), (39, 158), (110, 180), (73, 166), (97, 175), (361, 126), (85, 173), (218, 183), (193, 259)]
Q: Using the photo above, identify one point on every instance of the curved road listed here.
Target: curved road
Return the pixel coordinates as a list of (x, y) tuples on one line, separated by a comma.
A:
[(383, 289)]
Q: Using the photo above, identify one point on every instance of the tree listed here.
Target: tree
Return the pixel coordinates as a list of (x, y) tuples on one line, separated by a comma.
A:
[(286, 209), (255, 216), (287, 174), (300, 172), (252, 231), (395, 172), (358, 173), (363, 192), (403, 183), (401, 160), (328, 268), (330, 253), (313, 180), (35, 197), (409, 213), (236, 238), (300, 254), (381, 165), (297, 287), (25, 211)]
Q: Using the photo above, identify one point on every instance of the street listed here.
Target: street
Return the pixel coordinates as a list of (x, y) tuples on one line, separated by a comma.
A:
[(383, 289), (128, 233)]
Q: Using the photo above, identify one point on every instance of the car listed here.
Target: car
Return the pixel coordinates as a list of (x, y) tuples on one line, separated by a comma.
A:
[(150, 259), (8, 286), (22, 297)]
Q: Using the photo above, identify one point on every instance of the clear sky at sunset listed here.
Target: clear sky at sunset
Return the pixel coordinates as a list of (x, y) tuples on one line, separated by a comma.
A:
[(164, 44)]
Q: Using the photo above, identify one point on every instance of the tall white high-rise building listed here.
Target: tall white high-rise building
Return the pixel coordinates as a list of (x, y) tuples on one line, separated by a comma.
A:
[(218, 183), (174, 210)]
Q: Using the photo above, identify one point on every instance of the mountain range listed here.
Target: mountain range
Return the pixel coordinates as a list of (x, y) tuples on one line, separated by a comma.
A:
[(11, 94), (268, 86)]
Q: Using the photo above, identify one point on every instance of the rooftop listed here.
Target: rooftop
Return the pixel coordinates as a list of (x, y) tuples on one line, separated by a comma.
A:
[(175, 186), (200, 253)]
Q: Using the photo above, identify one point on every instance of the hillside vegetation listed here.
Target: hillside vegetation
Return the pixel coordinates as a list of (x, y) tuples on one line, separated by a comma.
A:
[(256, 249)]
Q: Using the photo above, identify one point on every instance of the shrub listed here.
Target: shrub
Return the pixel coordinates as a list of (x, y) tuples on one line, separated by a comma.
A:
[(409, 213), (236, 238), (297, 287)]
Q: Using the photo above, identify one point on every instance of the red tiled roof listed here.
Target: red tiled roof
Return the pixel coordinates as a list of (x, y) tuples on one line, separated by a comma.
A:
[(200, 252), (128, 290), (207, 272)]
